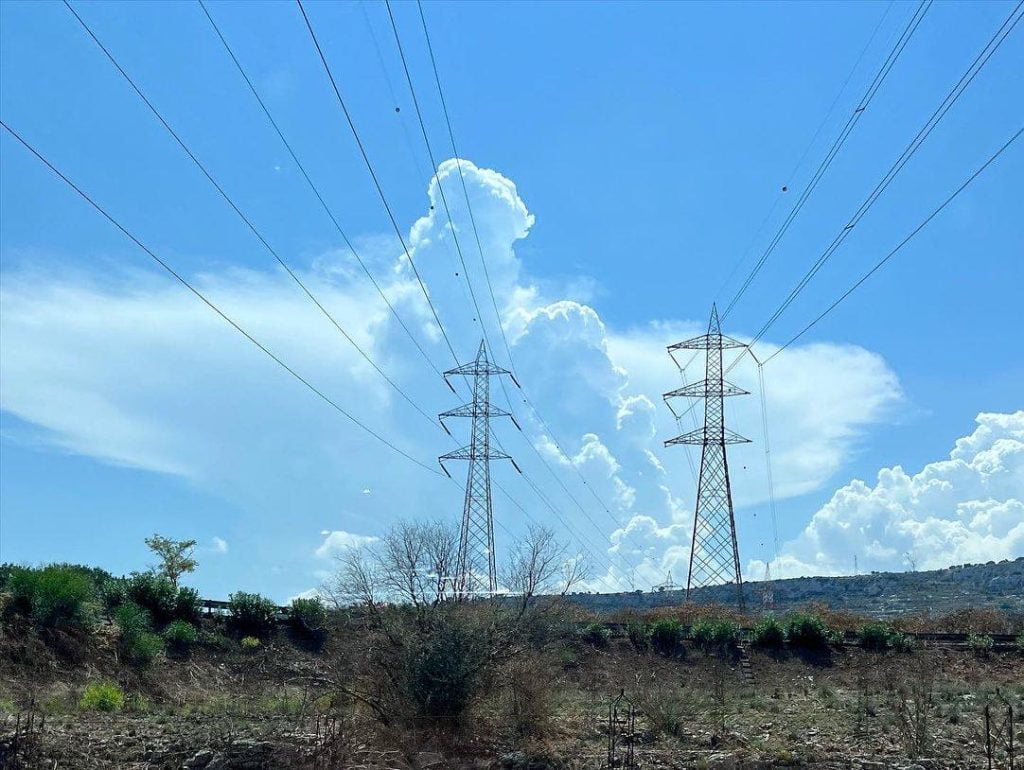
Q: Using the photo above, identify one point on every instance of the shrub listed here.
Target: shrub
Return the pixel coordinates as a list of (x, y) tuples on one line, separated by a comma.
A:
[(251, 614), (902, 642), (250, 643), (440, 670), (308, 614), (980, 642), (57, 596), (102, 696), (639, 635), (709, 634), (875, 636), (769, 633), (1020, 641), (113, 593), (216, 641), (595, 635), (180, 635), (807, 630), (155, 594), (138, 642), (666, 636), (186, 605)]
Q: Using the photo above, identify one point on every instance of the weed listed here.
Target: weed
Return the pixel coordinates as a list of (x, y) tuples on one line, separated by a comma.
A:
[(714, 634), (251, 643), (807, 630), (595, 634), (980, 643), (769, 633), (666, 636), (102, 696), (639, 634), (251, 614), (180, 635), (138, 642), (57, 596), (875, 636)]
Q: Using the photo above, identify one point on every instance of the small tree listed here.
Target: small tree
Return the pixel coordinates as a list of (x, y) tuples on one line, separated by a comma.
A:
[(175, 556)]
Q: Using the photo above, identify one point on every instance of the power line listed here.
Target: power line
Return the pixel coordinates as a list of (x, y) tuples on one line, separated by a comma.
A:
[(458, 246), (490, 286), (209, 303), (376, 181), (837, 145), (327, 209), (250, 224), (315, 190), (796, 167), (878, 265), (936, 117), (228, 199)]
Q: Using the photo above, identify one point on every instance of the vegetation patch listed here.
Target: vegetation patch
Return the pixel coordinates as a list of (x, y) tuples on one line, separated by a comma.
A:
[(102, 696)]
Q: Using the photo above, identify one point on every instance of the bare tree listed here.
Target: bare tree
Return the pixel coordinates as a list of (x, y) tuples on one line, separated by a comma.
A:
[(539, 564)]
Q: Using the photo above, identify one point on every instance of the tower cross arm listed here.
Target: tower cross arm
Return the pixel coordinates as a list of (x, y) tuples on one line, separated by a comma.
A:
[(707, 389), (711, 341), (703, 436)]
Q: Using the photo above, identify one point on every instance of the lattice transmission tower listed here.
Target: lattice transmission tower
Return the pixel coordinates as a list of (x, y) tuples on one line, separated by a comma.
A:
[(714, 553), (475, 572)]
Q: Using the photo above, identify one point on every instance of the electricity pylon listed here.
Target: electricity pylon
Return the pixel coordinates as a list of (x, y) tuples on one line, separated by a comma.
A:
[(714, 554), (476, 535)]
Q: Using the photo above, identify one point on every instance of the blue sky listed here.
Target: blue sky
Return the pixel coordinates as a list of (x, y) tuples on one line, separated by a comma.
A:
[(622, 157)]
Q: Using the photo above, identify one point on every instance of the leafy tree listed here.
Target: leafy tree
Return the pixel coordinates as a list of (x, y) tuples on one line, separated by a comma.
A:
[(175, 556)]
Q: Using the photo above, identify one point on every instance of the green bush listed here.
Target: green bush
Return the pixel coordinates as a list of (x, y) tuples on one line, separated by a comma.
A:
[(155, 594), (56, 596), (875, 636), (102, 696), (308, 615), (113, 593), (180, 635), (807, 630), (1020, 641), (980, 642), (138, 643), (251, 614), (251, 643), (639, 635), (186, 605), (709, 634), (666, 636), (595, 635), (902, 642), (440, 671), (769, 633)]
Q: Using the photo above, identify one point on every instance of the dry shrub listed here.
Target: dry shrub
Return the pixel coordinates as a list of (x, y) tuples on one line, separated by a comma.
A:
[(528, 687), (965, 621), (688, 614), (839, 620)]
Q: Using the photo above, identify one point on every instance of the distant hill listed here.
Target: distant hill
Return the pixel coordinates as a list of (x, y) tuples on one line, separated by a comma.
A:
[(998, 585)]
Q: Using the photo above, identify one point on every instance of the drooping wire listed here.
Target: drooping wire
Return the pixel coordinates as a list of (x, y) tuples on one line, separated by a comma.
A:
[(238, 211), (986, 53), (316, 192), (837, 145), (252, 226), (878, 265), (458, 245), (376, 181), (490, 285), (799, 163), (210, 304), (934, 119)]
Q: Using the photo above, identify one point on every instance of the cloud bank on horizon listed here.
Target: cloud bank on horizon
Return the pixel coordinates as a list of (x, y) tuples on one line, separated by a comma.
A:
[(130, 370)]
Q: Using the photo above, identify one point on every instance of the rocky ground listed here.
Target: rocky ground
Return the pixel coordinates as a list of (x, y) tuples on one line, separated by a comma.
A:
[(280, 708)]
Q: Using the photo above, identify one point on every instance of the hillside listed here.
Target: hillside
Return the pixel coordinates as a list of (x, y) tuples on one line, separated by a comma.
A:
[(997, 585)]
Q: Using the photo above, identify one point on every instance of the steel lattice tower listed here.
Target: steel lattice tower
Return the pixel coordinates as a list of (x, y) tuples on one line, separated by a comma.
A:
[(714, 554), (476, 536)]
